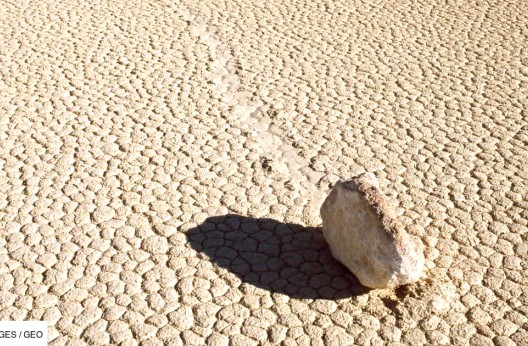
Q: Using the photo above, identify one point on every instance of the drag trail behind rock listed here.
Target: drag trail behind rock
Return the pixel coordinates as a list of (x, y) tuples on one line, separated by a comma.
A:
[(276, 151)]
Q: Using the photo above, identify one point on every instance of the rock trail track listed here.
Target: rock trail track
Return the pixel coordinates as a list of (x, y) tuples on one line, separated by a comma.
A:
[(162, 163)]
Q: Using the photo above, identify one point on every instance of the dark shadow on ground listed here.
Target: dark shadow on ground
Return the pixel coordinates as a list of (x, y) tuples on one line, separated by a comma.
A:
[(275, 256)]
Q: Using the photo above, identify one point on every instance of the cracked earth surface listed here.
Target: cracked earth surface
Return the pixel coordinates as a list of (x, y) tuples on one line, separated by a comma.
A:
[(162, 163)]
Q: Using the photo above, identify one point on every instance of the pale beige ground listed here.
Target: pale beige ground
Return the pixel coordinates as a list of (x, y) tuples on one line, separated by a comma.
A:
[(129, 129)]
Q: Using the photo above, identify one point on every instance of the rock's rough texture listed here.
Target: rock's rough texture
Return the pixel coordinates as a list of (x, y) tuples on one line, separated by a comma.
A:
[(365, 235)]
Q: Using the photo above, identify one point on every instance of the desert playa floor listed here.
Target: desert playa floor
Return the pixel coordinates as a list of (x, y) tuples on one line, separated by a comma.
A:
[(163, 161)]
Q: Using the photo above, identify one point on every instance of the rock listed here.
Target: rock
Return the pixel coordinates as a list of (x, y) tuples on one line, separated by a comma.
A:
[(365, 235)]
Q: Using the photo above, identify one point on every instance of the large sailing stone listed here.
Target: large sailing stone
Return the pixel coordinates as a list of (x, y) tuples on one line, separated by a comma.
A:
[(364, 234)]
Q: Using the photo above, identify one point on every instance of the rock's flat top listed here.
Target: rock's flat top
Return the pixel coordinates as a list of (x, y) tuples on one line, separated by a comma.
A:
[(170, 112), (365, 235)]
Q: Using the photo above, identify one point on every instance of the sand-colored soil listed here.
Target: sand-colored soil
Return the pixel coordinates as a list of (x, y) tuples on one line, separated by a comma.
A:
[(130, 129)]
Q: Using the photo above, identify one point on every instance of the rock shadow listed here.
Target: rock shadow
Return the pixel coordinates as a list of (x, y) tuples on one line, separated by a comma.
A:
[(275, 256)]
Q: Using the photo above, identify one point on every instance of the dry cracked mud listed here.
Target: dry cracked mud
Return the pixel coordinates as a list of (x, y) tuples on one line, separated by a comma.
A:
[(162, 163)]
